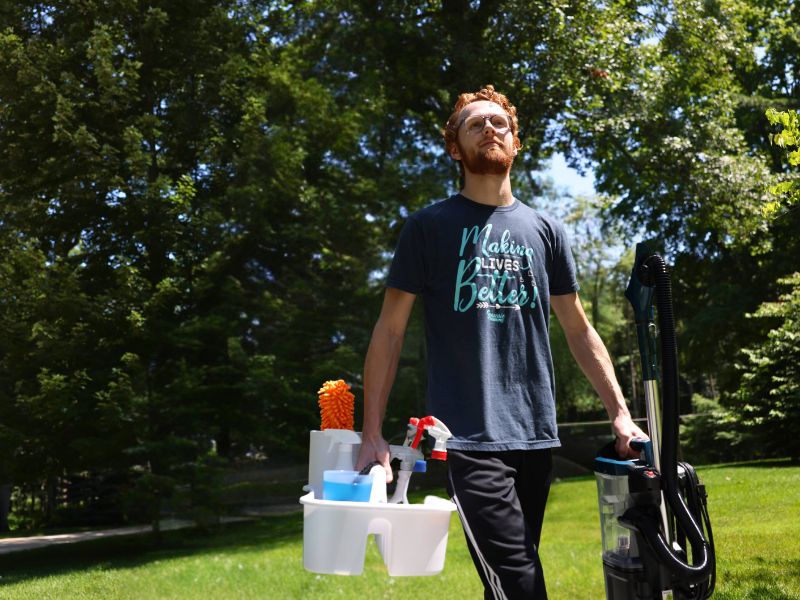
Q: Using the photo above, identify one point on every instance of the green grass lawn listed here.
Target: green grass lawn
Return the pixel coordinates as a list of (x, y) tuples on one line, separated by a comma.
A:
[(755, 511)]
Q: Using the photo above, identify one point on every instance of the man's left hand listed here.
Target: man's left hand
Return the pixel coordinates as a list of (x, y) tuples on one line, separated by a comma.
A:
[(625, 430)]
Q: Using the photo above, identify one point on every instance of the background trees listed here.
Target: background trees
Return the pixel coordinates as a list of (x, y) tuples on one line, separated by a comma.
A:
[(198, 202)]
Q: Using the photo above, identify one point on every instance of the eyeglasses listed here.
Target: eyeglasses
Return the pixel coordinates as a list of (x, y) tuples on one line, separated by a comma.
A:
[(474, 124)]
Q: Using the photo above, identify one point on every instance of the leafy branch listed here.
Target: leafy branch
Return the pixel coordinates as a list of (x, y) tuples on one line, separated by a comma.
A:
[(787, 192)]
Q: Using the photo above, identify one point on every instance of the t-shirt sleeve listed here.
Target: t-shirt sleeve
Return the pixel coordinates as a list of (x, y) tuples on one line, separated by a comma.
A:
[(408, 269), (563, 279)]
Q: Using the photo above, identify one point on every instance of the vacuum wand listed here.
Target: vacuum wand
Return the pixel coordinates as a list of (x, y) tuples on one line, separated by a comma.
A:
[(640, 292)]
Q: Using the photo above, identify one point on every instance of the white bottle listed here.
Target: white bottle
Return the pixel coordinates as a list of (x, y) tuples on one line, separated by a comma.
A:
[(345, 460), (378, 493)]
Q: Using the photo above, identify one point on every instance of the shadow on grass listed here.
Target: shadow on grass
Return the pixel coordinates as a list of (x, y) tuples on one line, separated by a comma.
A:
[(760, 592), (765, 463), (123, 552), (771, 463), (763, 590)]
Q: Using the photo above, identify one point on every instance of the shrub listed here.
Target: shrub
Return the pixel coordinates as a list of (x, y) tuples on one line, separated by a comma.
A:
[(714, 434)]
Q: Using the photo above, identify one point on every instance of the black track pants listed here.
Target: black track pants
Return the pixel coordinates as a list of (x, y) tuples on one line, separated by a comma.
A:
[(501, 498)]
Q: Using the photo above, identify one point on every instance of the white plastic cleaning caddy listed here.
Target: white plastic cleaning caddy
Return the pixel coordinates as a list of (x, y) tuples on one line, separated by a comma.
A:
[(411, 538)]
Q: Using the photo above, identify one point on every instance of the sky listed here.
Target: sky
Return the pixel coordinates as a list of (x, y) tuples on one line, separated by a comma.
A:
[(568, 178)]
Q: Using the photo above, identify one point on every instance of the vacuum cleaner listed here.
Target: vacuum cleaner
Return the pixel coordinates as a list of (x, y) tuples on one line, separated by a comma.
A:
[(656, 532)]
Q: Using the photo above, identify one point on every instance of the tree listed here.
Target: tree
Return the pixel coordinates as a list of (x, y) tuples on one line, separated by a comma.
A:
[(188, 232), (602, 272), (682, 152), (198, 203), (769, 399)]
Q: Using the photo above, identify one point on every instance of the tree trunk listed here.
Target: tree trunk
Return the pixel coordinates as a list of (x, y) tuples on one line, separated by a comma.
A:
[(50, 499), (5, 505)]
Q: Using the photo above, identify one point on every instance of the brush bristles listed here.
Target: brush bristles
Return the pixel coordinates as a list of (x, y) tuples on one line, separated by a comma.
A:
[(336, 405)]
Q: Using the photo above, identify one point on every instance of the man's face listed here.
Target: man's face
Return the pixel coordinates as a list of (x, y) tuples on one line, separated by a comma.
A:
[(484, 145)]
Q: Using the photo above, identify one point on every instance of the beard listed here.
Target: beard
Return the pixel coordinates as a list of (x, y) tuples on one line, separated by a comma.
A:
[(491, 160)]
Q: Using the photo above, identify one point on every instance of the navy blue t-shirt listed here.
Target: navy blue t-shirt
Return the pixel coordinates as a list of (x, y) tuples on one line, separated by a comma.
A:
[(485, 275)]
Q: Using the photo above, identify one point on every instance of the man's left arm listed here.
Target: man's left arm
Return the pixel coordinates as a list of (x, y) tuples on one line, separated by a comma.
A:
[(591, 355)]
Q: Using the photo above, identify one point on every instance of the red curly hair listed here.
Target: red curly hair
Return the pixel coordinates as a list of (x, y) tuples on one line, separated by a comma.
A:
[(450, 131)]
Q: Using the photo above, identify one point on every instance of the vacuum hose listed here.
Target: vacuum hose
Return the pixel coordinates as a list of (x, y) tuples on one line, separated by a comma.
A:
[(655, 270)]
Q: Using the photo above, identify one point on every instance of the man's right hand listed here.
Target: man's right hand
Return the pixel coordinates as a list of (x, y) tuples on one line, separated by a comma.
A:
[(374, 449)]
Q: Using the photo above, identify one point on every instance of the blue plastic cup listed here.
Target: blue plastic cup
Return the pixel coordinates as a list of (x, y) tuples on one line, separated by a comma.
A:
[(346, 485)]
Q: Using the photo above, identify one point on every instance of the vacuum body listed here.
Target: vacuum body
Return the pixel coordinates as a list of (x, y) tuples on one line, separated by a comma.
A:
[(657, 540), (630, 569)]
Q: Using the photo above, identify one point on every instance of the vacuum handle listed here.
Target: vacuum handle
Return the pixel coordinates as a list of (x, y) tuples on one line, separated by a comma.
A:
[(646, 446)]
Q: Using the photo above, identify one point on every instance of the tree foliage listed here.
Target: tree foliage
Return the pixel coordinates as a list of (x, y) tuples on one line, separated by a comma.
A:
[(198, 201), (176, 251), (769, 399), (788, 191)]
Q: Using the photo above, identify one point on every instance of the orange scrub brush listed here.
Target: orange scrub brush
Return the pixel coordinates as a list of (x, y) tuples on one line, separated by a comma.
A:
[(336, 405)]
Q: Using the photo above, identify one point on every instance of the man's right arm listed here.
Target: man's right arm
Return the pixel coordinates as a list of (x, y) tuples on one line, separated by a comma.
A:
[(380, 368)]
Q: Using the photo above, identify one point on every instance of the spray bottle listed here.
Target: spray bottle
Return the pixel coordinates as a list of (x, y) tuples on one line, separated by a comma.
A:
[(411, 457)]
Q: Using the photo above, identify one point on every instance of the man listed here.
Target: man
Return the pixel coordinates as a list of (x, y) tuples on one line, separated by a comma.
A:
[(489, 269)]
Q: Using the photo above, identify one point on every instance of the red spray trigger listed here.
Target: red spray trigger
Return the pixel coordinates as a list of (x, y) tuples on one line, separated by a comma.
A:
[(421, 425), (436, 430)]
